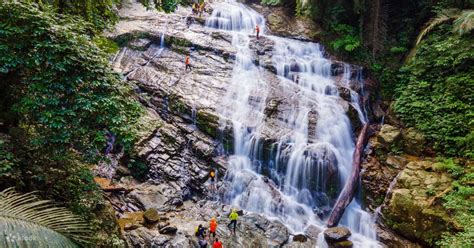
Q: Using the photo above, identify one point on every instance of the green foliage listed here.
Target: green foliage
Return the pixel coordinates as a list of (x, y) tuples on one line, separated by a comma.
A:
[(107, 45), (271, 2), (138, 168), (460, 203), (436, 92), (162, 5), (450, 166), (398, 50), (58, 99), (63, 88), (7, 157), (100, 14), (347, 40)]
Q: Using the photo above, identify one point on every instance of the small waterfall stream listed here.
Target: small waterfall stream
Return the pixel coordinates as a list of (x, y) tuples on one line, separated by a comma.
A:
[(307, 166)]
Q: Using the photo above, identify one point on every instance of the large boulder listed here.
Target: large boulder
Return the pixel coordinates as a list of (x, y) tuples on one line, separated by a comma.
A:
[(151, 216), (389, 134), (336, 234), (410, 209), (414, 141), (168, 230)]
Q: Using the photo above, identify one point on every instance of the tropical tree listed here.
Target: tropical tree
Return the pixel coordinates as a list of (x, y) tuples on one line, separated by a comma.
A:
[(26, 221)]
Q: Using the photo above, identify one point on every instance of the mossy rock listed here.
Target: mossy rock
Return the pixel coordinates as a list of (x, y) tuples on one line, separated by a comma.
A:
[(342, 244), (151, 216), (208, 123), (414, 141), (414, 220), (389, 135)]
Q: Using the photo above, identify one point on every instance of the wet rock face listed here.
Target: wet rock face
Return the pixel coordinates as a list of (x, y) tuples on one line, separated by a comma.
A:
[(281, 23), (186, 133)]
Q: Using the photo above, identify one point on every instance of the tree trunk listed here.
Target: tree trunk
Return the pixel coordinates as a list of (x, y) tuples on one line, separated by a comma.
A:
[(347, 192)]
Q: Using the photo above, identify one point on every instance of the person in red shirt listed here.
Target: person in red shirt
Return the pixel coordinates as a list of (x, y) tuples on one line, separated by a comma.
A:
[(217, 244), (213, 227), (257, 29), (188, 63)]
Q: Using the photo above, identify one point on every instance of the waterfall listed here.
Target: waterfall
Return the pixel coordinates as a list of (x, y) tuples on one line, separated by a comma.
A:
[(306, 167)]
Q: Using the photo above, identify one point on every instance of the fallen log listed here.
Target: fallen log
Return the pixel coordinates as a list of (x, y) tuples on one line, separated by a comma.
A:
[(348, 191)]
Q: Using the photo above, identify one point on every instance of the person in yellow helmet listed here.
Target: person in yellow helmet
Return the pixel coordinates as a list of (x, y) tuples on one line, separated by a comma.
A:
[(233, 219)]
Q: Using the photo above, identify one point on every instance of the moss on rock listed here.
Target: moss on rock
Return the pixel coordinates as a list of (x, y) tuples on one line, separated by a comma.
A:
[(410, 211)]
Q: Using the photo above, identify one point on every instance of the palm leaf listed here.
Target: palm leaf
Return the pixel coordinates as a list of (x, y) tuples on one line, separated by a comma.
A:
[(441, 18), (26, 221), (464, 23)]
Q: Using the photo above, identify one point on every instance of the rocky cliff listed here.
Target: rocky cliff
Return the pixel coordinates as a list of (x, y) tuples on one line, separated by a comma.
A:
[(184, 134)]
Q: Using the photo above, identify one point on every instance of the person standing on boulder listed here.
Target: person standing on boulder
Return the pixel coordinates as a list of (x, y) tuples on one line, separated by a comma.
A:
[(187, 63), (233, 219), (257, 29)]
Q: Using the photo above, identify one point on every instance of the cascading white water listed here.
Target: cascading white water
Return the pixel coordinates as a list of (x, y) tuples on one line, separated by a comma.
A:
[(305, 165)]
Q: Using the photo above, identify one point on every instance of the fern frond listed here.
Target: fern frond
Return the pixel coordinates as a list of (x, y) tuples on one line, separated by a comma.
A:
[(464, 23), (26, 221)]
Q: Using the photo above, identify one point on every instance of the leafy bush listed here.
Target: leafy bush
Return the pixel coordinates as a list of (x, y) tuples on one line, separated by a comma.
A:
[(164, 5), (270, 2), (459, 202), (100, 14), (347, 40), (58, 82), (450, 166), (58, 99), (436, 92)]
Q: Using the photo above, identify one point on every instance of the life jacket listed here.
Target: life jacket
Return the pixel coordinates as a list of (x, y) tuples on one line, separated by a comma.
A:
[(217, 244), (258, 29), (213, 226), (196, 232), (213, 174), (187, 60)]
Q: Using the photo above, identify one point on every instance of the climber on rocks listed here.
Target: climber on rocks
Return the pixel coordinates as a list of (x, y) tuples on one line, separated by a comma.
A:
[(187, 63), (201, 8), (233, 220), (213, 228), (212, 178), (200, 232), (257, 30)]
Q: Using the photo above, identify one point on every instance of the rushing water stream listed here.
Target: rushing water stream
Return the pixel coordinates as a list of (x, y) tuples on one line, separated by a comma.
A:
[(306, 167)]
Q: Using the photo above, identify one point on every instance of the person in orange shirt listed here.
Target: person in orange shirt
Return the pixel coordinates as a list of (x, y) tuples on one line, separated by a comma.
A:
[(188, 63), (257, 29), (213, 227), (217, 244)]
